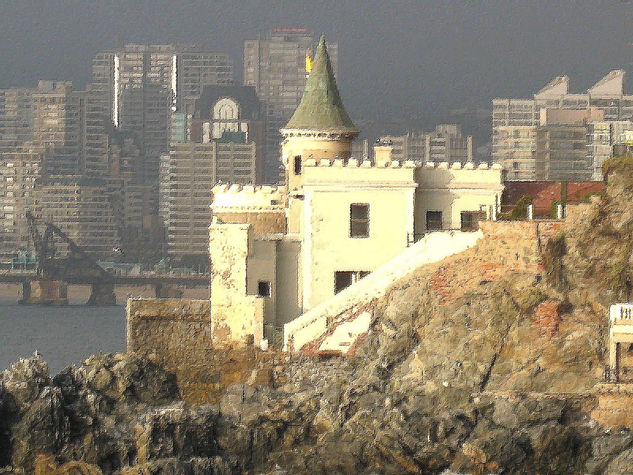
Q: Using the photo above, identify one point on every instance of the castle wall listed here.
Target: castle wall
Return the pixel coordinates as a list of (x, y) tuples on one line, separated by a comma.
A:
[(174, 333), (330, 188), (311, 147), (263, 222), (236, 317), (350, 311), (289, 281), (454, 190)]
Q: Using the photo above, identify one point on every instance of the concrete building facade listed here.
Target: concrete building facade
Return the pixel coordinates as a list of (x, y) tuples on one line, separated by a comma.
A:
[(561, 144), (19, 171), (445, 144), (80, 207), (514, 121)]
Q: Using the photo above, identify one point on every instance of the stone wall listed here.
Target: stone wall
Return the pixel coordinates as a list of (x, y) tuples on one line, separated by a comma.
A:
[(517, 244), (544, 193), (263, 222), (614, 405), (176, 334)]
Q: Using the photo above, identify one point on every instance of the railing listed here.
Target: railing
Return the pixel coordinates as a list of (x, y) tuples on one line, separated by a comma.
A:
[(621, 311), (610, 375)]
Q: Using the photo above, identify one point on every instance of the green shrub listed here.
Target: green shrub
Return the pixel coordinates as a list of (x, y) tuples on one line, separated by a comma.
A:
[(617, 163), (520, 208)]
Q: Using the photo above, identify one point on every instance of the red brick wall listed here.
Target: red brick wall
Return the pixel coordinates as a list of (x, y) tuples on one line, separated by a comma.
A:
[(544, 193)]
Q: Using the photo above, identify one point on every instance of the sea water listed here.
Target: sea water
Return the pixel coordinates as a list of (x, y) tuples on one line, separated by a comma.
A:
[(63, 335)]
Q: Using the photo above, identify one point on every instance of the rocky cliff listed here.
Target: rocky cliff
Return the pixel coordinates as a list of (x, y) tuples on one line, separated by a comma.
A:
[(483, 363)]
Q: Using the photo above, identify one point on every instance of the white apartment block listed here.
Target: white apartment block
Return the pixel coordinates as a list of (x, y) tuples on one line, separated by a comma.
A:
[(515, 121), (445, 144)]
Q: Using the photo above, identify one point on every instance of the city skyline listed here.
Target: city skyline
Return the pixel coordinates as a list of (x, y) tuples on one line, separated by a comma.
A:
[(392, 66)]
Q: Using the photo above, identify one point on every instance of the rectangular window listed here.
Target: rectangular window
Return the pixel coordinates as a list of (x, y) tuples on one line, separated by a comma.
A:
[(469, 220), (343, 279), (297, 165), (263, 288), (433, 220), (359, 220)]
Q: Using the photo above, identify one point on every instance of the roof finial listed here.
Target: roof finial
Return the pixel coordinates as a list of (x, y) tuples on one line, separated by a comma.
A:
[(321, 107)]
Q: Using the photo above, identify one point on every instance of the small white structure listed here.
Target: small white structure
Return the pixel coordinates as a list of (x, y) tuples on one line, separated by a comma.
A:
[(620, 333)]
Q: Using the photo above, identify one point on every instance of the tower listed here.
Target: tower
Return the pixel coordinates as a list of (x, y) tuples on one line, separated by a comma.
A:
[(320, 126)]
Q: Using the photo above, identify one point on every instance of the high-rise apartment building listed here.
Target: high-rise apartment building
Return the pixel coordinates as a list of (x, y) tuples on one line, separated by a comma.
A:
[(224, 145), (57, 126), (81, 207), (445, 144), (275, 65), (19, 171), (183, 70), (16, 117), (515, 121), (188, 174), (602, 136), (142, 85), (561, 144)]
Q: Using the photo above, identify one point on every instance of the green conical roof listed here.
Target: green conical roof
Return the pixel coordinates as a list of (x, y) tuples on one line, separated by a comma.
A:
[(321, 107)]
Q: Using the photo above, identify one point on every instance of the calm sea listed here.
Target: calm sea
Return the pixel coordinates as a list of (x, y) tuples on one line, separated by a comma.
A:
[(63, 335)]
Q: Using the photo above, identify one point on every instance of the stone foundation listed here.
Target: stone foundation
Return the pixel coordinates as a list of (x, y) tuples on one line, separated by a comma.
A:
[(614, 405), (176, 334), (44, 292)]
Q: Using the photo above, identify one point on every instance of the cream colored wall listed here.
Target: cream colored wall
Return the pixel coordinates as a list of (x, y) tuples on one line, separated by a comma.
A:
[(327, 245), (312, 325), (234, 314), (288, 281), (294, 215), (261, 265), (453, 190), (311, 147)]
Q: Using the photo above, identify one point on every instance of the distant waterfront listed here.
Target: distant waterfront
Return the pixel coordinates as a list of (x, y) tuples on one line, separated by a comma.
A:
[(63, 335)]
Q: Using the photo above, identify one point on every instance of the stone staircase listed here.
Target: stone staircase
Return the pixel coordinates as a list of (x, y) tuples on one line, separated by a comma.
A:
[(333, 326)]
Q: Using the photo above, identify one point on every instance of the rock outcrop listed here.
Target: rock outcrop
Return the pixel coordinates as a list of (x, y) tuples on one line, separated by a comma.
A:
[(482, 363)]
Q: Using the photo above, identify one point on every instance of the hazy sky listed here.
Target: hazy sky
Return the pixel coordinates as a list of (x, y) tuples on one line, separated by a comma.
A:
[(396, 57)]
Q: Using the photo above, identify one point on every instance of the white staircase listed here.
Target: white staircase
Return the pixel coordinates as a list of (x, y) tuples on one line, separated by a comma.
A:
[(313, 324)]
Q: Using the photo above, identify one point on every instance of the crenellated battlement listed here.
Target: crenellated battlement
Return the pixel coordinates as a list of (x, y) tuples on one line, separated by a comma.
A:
[(356, 163), (254, 197)]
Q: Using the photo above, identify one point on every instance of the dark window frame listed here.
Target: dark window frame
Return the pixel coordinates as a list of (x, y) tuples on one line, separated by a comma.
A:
[(297, 165), (434, 213), (345, 278), (359, 224), (264, 288)]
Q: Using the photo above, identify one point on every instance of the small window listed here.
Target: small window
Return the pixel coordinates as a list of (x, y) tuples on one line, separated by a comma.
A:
[(433, 220), (343, 279), (263, 288), (297, 165), (470, 220), (359, 220)]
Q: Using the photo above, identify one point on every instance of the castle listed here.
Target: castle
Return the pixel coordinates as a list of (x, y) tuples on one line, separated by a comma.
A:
[(278, 252)]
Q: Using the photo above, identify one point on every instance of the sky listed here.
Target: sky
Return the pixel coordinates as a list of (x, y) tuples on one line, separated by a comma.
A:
[(396, 58)]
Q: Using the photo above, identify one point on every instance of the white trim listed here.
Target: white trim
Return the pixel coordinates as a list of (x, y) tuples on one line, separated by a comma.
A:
[(306, 249), (115, 98)]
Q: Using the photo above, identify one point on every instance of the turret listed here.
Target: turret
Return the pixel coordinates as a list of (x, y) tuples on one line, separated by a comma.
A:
[(320, 126)]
